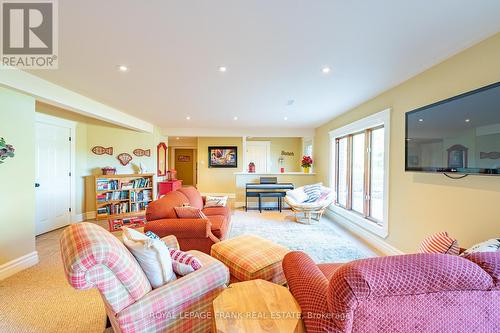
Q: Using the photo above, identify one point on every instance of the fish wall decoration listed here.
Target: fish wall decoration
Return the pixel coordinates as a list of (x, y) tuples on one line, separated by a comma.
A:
[(100, 150), (142, 152)]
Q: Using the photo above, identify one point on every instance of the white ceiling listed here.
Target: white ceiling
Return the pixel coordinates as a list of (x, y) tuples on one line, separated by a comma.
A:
[(274, 52)]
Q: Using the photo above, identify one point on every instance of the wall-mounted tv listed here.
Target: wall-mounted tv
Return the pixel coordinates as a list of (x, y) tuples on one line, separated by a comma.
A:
[(457, 135)]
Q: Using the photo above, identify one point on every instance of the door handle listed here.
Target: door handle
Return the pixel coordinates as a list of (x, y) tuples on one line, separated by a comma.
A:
[(37, 185)]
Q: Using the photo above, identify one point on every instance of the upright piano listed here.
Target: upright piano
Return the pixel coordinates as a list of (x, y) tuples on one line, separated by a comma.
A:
[(268, 187)]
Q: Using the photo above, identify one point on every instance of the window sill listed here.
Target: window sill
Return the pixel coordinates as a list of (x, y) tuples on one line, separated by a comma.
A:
[(379, 230)]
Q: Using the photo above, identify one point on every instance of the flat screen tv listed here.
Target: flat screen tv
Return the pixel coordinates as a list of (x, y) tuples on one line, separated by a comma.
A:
[(457, 135)]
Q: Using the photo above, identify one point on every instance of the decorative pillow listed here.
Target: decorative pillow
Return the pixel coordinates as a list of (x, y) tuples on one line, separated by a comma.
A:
[(440, 243), (183, 262), (152, 255), (152, 235), (215, 201), (298, 195), (189, 213), (313, 191), (491, 245)]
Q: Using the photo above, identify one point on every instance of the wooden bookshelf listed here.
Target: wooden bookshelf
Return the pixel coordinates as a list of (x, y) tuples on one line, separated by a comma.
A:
[(118, 196)]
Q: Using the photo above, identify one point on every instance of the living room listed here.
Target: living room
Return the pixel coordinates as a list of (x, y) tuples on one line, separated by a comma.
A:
[(329, 166)]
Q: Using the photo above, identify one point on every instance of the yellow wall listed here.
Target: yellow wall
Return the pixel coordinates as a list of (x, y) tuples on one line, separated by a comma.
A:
[(217, 180), (278, 144), (17, 191), (421, 204)]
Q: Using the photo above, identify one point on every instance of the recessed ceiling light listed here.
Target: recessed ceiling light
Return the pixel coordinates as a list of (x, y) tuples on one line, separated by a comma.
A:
[(235, 118), (326, 70), (285, 118), (467, 120), (123, 68), (188, 118), (421, 120), (222, 69)]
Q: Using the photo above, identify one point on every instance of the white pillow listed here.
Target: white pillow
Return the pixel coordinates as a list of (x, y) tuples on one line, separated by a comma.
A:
[(491, 245), (298, 195), (215, 201), (152, 255)]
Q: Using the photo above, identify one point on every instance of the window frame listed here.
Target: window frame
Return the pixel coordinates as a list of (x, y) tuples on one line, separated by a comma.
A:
[(380, 119)]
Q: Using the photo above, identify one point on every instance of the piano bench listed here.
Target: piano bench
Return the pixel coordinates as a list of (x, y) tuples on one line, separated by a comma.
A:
[(278, 195)]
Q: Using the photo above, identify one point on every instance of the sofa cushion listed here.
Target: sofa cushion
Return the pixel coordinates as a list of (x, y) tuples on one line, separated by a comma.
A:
[(163, 208), (219, 224), (211, 211), (152, 255), (193, 195)]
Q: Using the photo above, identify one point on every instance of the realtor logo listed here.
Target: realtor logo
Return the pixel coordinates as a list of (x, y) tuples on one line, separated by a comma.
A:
[(29, 34)]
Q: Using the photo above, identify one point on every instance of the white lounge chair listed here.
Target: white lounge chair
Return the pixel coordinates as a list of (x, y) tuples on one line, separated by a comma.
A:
[(311, 212)]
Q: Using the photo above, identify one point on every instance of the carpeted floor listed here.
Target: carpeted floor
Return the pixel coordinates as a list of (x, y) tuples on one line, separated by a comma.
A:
[(40, 300), (324, 241)]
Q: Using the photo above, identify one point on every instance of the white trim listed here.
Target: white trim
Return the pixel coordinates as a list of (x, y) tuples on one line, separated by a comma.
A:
[(377, 119), (53, 94), (78, 218), (239, 132), (14, 266), (370, 238), (71, 125)]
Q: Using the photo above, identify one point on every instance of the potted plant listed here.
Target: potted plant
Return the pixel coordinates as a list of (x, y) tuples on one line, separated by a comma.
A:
[(306, 163), (5, 150)]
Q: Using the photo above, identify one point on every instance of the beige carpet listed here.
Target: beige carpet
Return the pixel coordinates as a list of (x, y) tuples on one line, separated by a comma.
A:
[(40, 300)]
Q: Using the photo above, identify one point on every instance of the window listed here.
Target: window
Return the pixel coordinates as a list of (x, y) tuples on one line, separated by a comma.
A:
[(360, 171)]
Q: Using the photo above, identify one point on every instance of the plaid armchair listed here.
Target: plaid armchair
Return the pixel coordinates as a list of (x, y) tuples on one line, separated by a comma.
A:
[(94, 258)]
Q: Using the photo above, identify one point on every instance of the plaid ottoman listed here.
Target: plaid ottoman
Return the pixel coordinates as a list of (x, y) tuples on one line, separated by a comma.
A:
[(250, 257)]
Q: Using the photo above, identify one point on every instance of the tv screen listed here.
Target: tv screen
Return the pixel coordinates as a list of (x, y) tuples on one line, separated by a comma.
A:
[(460, 134)]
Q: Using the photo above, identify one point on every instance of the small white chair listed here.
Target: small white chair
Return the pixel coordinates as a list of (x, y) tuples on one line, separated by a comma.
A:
[(311, 212)]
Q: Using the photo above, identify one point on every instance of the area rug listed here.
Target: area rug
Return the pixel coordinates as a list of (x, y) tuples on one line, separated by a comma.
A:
[(324, 242)]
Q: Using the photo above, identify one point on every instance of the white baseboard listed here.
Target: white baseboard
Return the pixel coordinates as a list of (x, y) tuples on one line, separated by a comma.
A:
[(370, 238), (12, 267)]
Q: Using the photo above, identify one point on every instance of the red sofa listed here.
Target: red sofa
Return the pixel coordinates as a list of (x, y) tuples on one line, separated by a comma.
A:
[(405, 293), (192, 234)]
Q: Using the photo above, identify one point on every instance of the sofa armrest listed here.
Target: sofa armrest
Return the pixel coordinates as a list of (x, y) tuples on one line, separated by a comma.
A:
[(171, 242), (309, 286), (180, 228), (167, 302)]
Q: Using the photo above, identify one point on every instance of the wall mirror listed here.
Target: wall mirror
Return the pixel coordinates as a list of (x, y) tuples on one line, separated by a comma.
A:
[(161, 155)]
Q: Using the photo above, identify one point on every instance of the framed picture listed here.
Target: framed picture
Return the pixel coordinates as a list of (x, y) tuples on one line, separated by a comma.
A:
[(183, 158), (222, 157)]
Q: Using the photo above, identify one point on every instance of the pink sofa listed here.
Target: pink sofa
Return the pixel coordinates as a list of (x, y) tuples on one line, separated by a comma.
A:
[(94, 258), (407, 293)]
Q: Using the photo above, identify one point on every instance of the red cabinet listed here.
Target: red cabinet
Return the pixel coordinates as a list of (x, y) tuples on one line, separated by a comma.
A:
[(168, 186)]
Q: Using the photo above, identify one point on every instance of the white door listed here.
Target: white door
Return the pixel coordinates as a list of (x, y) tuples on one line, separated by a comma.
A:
[(53, 186), (259, 152)]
